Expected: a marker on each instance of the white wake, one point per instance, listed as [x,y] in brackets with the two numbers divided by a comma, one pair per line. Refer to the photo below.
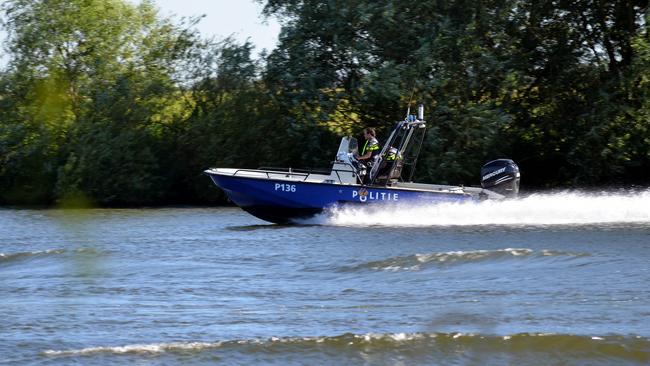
[568,208]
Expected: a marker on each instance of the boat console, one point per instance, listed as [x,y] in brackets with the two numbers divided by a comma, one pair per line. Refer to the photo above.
[498,177]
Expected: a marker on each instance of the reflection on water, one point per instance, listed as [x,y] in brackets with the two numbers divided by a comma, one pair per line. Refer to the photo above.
[257,227]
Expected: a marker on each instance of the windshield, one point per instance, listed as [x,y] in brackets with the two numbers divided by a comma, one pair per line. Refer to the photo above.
[353,147]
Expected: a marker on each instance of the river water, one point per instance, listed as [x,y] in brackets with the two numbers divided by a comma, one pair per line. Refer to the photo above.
[548,279]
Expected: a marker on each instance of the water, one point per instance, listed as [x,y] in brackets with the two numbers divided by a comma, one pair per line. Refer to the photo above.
[549,279]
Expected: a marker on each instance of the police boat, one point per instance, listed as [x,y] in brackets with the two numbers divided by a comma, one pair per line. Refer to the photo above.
[289,195]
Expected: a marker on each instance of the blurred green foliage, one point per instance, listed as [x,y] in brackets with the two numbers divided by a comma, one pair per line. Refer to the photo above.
[106,102]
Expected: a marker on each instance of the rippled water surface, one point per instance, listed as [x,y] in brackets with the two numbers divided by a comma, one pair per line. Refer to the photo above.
[437,285]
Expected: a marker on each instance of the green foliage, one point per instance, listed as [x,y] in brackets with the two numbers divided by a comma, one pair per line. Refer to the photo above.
[91,90]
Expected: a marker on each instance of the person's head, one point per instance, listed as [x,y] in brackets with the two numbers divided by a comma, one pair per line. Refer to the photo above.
[368,132]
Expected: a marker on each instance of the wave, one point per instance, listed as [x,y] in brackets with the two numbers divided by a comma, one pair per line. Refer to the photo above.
[418,262]
[567,208]
[13,257]
[139,348]
[414,347]
[4,257]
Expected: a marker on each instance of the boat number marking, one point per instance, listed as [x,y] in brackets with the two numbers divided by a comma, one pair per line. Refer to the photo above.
[285,187]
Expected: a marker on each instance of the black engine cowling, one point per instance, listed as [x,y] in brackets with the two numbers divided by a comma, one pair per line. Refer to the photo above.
[501,176]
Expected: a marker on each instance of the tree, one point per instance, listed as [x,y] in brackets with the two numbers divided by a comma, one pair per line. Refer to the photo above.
[94,85]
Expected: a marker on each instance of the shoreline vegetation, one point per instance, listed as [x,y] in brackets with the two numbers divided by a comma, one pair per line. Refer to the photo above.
[109,104]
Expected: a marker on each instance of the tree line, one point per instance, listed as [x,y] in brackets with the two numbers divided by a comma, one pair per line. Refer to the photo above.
[109,103]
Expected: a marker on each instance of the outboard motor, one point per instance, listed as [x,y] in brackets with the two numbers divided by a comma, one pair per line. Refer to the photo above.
[501,176]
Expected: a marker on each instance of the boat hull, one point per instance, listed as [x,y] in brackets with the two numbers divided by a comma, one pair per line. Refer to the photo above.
[285,201]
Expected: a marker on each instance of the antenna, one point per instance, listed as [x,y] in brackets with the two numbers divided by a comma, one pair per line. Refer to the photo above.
[408,109]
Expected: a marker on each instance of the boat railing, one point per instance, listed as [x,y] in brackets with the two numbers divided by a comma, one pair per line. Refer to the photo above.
[270,172]
[295,170]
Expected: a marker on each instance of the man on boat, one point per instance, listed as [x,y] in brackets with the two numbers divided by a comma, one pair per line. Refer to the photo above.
[370,151]
[388,167]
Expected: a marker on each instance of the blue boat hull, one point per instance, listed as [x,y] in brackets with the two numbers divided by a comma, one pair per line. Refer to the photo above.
[284,201]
